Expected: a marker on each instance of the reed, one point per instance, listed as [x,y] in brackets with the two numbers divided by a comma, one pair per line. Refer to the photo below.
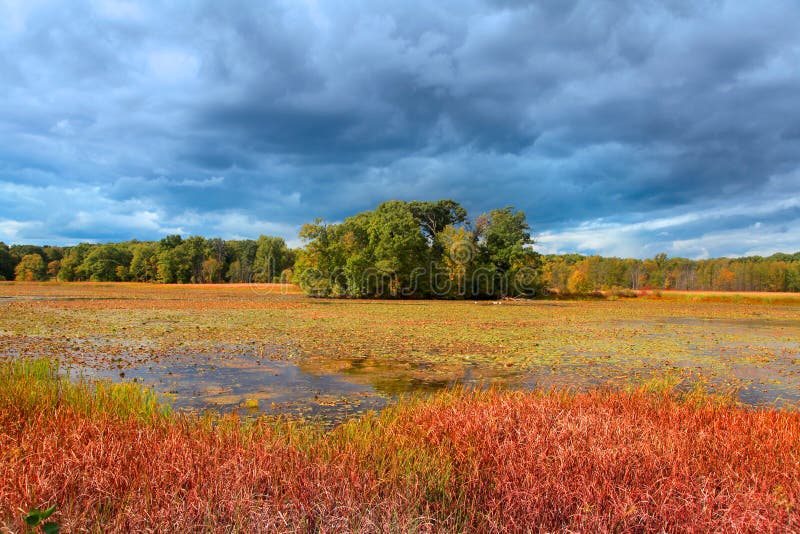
[111,458]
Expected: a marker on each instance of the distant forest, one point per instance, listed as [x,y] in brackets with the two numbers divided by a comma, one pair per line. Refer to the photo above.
[576,273]
[400,249]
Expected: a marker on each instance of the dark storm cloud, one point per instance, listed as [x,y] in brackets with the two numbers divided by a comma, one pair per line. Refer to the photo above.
[619,127]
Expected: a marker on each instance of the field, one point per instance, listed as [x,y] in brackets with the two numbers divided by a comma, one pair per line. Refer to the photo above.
[667,411]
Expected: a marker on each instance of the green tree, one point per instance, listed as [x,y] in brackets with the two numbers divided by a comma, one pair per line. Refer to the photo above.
[270,259]
[655,269]
[460,251]
[144,262]
[793,276]
[192,251]
[174,266]
[103,262]
[218,250]
[505,236]
[178,260]
[72,264]
[321,258]
[243,254]
[7,262]
[170,242]
[235,272]
[67,272]
[20,250]
[433,217]
[507,259]
[398,247]
[52,253]
[212,271]
[416,249]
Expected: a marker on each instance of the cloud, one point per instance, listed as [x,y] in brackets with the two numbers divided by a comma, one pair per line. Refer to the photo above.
[619,127]
[759,225]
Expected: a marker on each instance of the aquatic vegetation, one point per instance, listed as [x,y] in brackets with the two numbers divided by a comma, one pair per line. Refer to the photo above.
[217,346]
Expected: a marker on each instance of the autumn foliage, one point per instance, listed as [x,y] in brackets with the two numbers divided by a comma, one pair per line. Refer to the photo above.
[112,459]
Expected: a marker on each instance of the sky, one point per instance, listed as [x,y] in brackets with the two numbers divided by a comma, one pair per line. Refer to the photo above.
[622,128]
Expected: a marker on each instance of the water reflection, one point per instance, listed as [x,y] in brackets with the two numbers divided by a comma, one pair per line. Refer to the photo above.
[249,386]
[331,390]
[335,389]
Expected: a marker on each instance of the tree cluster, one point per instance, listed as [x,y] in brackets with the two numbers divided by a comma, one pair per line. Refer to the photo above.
[420,250]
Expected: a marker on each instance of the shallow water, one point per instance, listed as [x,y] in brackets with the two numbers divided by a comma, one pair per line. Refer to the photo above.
[331,390]
[250,385]
[246,385]
[281,354]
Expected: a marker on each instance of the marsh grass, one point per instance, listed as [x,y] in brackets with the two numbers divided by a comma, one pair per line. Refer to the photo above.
[740,297]
[39,384]
[645,459]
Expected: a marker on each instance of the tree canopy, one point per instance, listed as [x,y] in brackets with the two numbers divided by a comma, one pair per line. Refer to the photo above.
[419,249]
[31,267]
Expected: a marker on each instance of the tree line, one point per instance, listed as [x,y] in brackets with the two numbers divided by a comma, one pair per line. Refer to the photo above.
[170,260]
[574,273]
[414,249]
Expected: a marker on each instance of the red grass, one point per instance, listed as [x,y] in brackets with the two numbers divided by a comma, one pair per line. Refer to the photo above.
[598,461]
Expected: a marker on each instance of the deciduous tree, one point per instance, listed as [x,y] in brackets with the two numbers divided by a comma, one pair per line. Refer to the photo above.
[31,267]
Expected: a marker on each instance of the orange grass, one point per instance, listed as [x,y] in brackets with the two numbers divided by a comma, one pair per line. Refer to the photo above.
[741,297]
[477,461]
